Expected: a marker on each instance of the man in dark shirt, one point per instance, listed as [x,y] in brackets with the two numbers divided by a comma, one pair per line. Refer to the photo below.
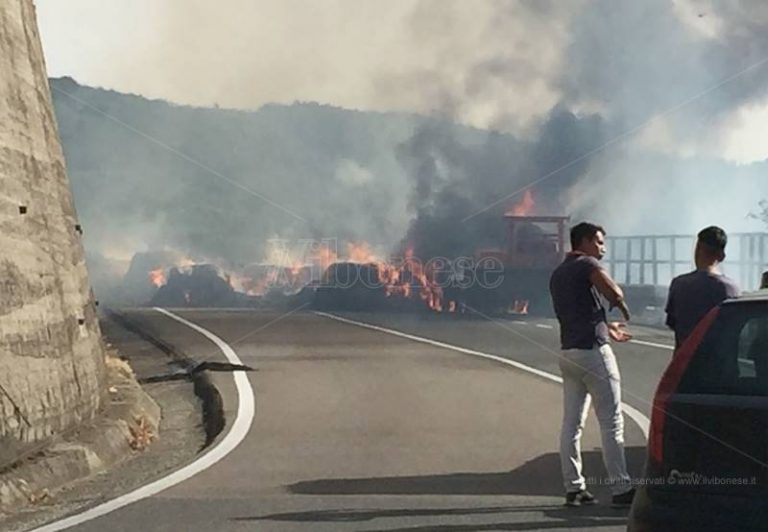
[588,364]
[694,294]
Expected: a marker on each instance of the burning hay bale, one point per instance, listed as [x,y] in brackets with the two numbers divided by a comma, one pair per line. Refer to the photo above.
[145,274]
[509,279]
[350,286]
[274,281]
[200,287]
[379,286]
[172,279]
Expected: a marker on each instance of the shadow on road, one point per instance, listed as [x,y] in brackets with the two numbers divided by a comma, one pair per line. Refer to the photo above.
[540,476]
[563,518]
[555,517]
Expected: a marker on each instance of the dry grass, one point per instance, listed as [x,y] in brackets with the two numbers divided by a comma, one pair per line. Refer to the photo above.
[33,496]
[41,496]
[114,363]
[141,434]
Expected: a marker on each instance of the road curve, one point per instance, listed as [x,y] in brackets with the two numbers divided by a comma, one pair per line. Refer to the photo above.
[356,429]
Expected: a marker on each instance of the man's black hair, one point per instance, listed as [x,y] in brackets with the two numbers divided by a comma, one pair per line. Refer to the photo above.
[584,230]
[714,237]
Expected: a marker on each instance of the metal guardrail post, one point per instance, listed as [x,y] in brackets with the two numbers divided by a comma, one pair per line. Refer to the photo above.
[628,257]
[673,256]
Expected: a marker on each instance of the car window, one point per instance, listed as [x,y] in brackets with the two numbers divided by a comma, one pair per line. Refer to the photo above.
[733,357]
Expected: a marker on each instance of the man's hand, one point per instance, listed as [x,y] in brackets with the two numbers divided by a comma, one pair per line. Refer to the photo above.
[619,332]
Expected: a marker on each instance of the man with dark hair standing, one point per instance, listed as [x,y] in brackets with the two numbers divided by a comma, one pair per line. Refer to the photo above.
[588,364]
[694,294]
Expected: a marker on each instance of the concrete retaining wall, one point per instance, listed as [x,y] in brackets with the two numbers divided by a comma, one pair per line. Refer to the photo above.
[51,357]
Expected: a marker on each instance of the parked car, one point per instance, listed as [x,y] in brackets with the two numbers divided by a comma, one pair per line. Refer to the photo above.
[707,466]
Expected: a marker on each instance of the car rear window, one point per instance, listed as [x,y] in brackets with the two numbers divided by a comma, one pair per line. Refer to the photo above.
[733,357]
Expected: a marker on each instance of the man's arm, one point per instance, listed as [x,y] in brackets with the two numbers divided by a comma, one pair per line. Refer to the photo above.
[612,291]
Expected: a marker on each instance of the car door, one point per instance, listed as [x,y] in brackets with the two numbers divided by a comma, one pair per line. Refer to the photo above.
[716,435]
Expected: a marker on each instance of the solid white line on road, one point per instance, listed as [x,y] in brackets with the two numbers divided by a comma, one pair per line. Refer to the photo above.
[245,413]
[544,326]
[520,322]
[637,416]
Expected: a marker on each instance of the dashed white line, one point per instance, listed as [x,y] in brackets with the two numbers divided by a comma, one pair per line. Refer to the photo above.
[638,417]
[653,344]
[240,427]
[639,342]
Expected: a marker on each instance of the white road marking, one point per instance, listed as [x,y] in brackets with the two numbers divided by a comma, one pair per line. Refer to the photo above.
[637,416]
[652,344]
[639,342]
[239,430]
[520,322]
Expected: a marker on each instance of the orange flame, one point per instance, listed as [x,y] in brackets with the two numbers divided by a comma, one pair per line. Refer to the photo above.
[429,291]
[157,277]
[520,306]
[360,252]
[185,263]
[324,256]
[261,286]
[526,205]
[237,282]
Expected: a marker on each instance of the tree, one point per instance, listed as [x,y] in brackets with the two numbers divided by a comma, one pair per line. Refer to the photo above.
[762,214]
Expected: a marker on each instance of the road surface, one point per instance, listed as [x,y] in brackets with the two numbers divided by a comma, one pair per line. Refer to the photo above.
[366,430]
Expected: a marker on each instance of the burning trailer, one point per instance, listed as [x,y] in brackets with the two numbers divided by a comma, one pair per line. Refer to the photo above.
[515,279]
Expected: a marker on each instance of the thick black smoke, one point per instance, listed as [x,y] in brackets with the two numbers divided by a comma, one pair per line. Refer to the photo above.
[461,190]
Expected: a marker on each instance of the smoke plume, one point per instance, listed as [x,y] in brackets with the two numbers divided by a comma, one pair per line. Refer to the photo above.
[618,111]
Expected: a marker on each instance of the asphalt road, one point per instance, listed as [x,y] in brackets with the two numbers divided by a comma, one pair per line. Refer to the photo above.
[357,429]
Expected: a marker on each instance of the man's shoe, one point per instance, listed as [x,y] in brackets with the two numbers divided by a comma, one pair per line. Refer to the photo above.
[579,498]
[623,500]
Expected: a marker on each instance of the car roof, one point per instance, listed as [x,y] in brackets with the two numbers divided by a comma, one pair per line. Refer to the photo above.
[758,295]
